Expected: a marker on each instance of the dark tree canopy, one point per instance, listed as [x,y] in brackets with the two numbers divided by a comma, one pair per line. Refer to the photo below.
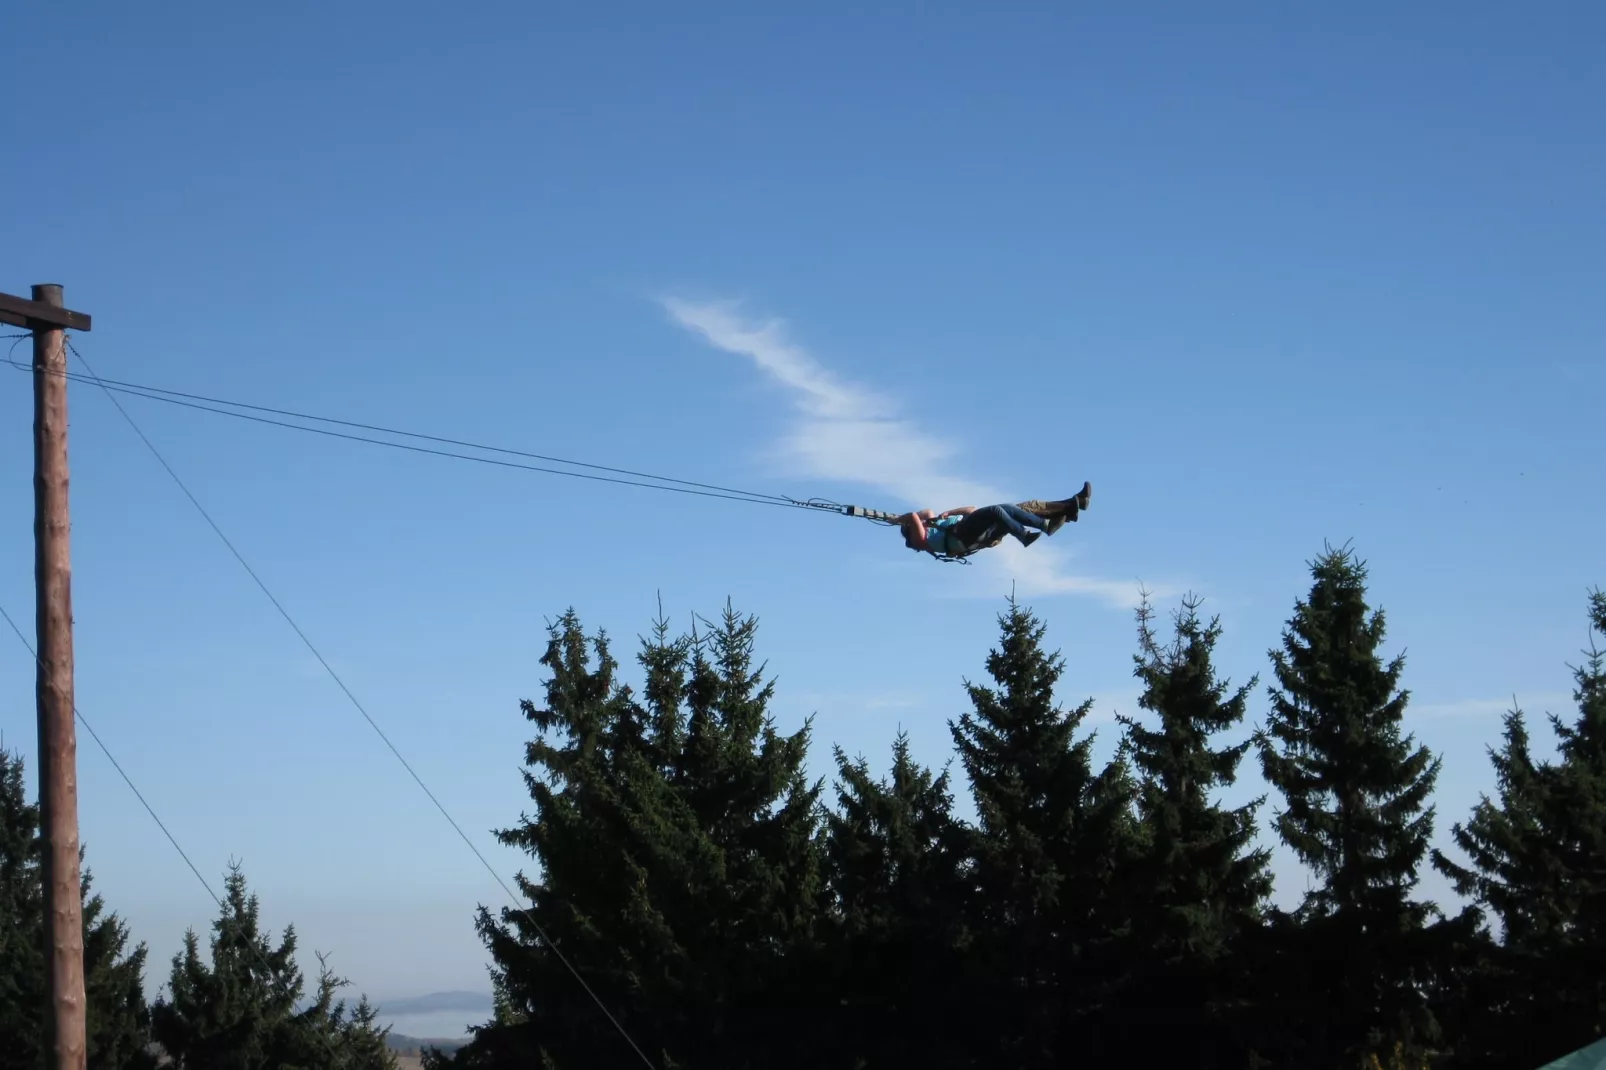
[681,862]
[1356,810]
[117,1019]
[1207,880]
[243,1009]
[697,901]
[897,876]
[1052,834]
[1198,885]
[1536,861]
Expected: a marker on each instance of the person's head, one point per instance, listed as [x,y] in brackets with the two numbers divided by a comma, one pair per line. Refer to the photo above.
[907,526]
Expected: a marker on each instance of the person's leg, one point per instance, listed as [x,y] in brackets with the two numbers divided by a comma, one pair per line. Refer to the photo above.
[1062,507]
[1058,512]
[1017,520]
[1049,510]
[1012,518]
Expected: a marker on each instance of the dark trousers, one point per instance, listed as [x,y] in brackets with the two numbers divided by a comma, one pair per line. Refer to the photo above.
[1012,518]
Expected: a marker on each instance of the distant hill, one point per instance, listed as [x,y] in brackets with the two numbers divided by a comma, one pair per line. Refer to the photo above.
[436,1002]
[414,1045]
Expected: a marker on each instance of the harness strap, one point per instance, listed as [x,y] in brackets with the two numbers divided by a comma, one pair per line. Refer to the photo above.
[984,539]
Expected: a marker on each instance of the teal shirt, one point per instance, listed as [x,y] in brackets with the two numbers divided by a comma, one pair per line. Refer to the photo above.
[940,539]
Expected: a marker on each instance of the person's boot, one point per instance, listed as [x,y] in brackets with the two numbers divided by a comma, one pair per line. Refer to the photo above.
[1030,537]
[1058,520]
[1085,497]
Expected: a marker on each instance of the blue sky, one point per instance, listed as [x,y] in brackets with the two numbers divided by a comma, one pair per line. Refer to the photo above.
[1267,277]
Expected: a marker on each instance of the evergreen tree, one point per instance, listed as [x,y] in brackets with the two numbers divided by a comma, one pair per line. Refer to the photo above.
[681,869]
[240,1012]
[1356,792]
[362,1043]
[1052,834]
[1198,885]
[896,868]
[117,1019]
[1538,864]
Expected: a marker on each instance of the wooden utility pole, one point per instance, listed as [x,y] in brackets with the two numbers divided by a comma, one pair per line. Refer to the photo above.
[58,744]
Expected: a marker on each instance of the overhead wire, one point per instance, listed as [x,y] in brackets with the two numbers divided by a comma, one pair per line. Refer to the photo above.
[117,766]
[357,704]
[226,407]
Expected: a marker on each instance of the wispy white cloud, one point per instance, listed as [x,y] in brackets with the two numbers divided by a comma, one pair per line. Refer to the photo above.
[1489,707]
[1107,705]
[847,432]
[837,701]
[894,702]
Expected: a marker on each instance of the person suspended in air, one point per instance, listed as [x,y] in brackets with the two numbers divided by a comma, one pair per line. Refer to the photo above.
[958,533]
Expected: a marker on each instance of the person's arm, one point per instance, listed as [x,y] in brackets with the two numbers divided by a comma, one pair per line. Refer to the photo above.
[917,524]
[963,510]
